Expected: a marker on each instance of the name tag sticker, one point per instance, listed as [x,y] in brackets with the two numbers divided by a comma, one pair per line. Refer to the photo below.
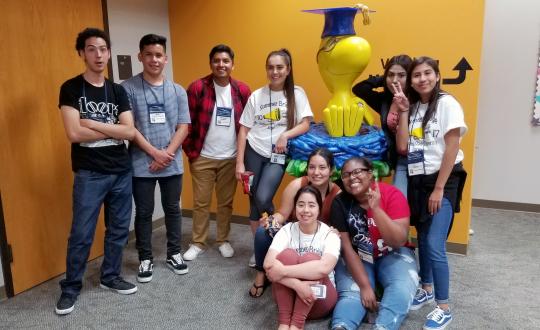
[366,256]
[319,290]
[157,117]
[278,158]
[415,163]
[157,114]
[223,116]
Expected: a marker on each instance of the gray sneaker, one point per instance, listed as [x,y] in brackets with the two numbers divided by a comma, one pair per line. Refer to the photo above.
[65,305]
[119,285]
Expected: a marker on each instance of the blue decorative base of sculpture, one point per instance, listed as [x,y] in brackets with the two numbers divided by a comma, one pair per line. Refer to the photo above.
[370,143]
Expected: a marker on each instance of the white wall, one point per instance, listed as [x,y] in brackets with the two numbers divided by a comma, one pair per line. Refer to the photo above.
[129,20]
[507,146]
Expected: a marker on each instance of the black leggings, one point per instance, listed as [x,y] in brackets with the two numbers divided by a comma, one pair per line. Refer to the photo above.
[266,180]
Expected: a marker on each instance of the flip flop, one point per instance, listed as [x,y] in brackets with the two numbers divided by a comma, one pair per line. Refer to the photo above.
[257,288]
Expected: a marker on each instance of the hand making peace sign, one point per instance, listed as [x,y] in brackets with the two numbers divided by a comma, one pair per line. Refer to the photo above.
[400,99]
[374,196]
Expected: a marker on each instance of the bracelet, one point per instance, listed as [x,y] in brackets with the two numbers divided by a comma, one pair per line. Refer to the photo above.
[404,111]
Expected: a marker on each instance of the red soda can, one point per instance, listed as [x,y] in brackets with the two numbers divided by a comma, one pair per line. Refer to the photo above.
[247,181]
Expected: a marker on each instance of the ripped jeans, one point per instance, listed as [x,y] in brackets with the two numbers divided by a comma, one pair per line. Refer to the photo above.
[397,274]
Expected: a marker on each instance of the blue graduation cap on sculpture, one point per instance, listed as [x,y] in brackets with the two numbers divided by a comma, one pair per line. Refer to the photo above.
[338,21]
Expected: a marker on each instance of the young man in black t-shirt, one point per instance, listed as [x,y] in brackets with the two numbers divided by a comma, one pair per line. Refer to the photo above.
[97,119]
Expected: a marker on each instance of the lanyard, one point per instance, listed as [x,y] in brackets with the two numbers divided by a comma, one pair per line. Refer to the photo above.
[411,128]
[144,92]
[310,243]
[104,85]
[271,119]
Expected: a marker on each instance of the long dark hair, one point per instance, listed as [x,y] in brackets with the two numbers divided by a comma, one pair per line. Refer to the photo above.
[403,61]
[435,93]
[288,86]
[310,190]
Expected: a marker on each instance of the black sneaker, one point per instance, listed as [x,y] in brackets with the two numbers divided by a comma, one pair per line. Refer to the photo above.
[120,285]
[145,271]
[177,264]
[65,304]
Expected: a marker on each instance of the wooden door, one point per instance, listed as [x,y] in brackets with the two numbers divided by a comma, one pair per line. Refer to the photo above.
[38,50]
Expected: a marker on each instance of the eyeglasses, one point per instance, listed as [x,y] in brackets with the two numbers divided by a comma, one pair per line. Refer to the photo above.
[355,173]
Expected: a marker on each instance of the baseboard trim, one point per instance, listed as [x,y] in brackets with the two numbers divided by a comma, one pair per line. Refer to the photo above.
[159,222]
[455,248]
[241,220]
[155,225]
[511,206]
[451,247]
[3,294]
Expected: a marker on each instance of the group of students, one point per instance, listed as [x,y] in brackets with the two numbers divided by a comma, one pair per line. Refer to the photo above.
[352,237]
[226,131]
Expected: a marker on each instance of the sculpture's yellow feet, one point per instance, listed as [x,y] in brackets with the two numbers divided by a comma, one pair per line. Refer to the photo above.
[346,120]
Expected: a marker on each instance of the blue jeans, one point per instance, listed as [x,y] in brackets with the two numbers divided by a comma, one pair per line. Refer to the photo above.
[261,243]
[143,195]
[396,272]
[90,191]
[432,236]
[266,180]
[400,175]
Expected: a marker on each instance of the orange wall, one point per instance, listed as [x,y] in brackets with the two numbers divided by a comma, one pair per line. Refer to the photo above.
[446,29]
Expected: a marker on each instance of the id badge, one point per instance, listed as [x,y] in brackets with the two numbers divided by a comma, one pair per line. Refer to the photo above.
[278,158]
[319,290]
[415,163]
[367,257]
[157,115]
[223,116]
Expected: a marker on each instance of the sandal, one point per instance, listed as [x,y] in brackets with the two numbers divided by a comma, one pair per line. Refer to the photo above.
[257,288]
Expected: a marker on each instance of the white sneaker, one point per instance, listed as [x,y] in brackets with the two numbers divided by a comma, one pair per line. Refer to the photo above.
[251,262]
[193,252]
[226,250]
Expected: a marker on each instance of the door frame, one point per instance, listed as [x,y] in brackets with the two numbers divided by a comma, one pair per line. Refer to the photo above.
[4,255]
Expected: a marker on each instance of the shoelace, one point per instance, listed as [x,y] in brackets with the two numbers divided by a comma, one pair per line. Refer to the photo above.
[178,258]
[420,293]
[436,315]
[145,265]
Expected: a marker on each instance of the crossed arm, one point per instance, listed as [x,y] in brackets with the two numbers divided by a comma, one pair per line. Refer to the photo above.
[87,130]
[299,277]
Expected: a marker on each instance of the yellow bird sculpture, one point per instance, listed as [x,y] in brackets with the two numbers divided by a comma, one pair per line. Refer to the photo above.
[341,58]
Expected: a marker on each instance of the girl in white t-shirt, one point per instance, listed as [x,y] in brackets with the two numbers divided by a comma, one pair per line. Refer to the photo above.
[273,114]
[436,177]
[298,262]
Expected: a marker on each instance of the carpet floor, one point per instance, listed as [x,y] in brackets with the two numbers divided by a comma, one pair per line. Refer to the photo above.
[496,286]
